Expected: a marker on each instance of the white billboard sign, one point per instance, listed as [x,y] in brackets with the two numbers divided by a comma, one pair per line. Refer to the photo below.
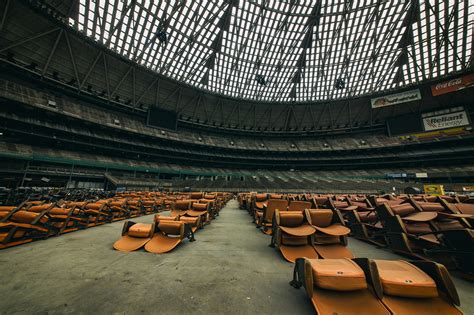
[388,100]
[445,121]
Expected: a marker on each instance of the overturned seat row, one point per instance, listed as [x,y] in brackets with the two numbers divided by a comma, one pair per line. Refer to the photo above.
[38,219]
[167,232]
[364,286]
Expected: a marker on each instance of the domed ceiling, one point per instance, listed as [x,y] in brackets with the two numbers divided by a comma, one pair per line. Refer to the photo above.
[286,51]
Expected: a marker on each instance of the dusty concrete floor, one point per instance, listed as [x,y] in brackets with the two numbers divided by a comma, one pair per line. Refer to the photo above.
[229,269]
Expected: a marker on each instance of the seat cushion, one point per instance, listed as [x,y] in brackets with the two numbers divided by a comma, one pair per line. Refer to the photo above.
[140,230]
[400,278]
[338,274]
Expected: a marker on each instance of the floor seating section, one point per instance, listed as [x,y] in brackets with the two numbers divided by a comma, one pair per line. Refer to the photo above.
[363,286]
[424,227]
[39,218]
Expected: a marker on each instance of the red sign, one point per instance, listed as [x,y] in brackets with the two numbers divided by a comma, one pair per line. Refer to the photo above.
[453,85]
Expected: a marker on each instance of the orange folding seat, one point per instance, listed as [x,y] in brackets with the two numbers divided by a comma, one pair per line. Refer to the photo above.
[196,195]
[180,207]
[168,235]
[193,222]
[134,236]
[135,208]
[292,235]
[19,226]
[364,286]
[266,218]
[330,238]
[199,210]
[65,220]
[259,204]
[276,196]
[96,213]
[299,205]
[214,206]
[119,209]
[338,286]
[421,288]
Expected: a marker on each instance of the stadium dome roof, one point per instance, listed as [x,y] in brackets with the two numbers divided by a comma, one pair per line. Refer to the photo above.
[286,51]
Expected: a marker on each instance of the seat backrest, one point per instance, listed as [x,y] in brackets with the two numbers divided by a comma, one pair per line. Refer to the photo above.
[299,205]
[196,195]
[403,209]
[200,206]
[465,208]
[261,197]
[319,217]
[290,218]
[431,206]
[272,205]
[210,196]
[41,208]
[158,218]
[172,228]
[320,200]
[182,205]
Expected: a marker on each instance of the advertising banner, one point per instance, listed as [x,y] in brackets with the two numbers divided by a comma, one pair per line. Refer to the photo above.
[388,100]
[453,85]
[451,120]
[436,190]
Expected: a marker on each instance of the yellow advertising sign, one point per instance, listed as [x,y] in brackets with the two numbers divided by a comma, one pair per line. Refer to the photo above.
[436,190]
[468,188]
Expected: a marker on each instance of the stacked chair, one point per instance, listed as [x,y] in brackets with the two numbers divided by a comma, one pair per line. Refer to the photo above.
[37,217]
[189,212]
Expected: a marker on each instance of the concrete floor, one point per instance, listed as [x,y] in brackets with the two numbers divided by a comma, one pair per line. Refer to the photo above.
[229,269]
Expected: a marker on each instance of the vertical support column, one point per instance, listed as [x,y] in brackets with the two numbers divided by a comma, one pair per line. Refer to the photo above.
[24,173]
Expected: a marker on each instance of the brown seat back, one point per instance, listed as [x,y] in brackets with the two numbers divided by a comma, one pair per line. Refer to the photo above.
[290,218]
[299,205]
[182,205]
[172,228]
[272,205]
[200,206]
[319,217]
[196,195]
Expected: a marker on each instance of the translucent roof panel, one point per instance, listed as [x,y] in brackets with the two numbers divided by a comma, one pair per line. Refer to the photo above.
[287,51]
